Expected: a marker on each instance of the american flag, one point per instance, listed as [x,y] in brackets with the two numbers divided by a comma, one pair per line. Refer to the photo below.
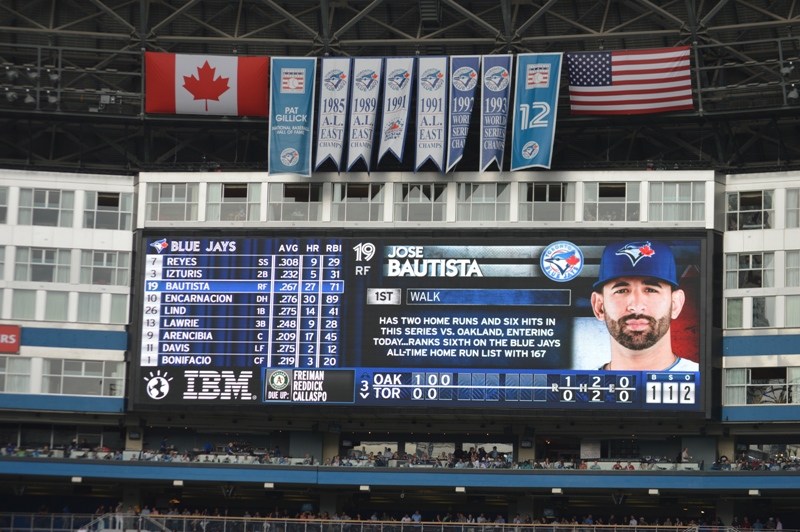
[630,82]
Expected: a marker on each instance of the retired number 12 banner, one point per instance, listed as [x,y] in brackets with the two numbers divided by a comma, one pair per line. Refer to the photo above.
[535,108]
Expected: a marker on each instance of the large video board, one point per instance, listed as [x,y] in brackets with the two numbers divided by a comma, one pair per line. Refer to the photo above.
[530,322]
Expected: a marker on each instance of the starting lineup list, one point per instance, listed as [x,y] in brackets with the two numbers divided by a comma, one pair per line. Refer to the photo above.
[280,321]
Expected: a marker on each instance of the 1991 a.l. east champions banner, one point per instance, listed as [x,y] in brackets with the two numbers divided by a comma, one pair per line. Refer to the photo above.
[431,108]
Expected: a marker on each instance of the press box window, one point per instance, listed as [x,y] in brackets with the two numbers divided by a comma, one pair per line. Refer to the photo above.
[547,202]
[237,202]
[749,270]
[611,202]
[105,267]
[763,312]
[677,202]
[295,202]
[42,265]
[749,210]
[417,202]
[3,204]
[176,202]
[52,208]
[108,210]
[358,202]
[792,208]
[483,202]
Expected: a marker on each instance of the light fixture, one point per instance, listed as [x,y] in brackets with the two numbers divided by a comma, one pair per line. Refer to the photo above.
[652,491]
[33,74]
[754,493]
[52,98]
[29,99]
[787,70]
[461,489]
[269,485]
[793,94]
[364,487]
[177,483]
[77,480]
[557,491]
[11,95]
[53,76]
[11,73]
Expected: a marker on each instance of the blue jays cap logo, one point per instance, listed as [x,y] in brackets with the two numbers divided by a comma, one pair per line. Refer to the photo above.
[530,150]
[561,261]
[637,251]
[160,245]
[398,78]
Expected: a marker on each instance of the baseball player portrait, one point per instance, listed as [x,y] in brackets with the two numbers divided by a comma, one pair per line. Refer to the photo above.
[637,296]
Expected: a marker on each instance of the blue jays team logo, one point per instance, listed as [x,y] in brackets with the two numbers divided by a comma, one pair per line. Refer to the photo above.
[530,150]
[366,80]
[637,251]
[335,80]
[465,78]
[398,78]
[497,79]
[289,157]
[432,79]
[561,261]
[393,129]
[160,245]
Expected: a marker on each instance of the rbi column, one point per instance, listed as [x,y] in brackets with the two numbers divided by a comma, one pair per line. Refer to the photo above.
[151,317]
[332,290]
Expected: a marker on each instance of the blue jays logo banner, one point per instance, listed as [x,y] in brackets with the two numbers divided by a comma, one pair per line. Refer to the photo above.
[363,109]
[431,105]
[536,105]
[396,97]
[463,82]
[333,92]
[291,115]
[494,109]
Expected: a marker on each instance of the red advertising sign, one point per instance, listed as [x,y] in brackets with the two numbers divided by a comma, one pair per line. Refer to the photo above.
[9,338]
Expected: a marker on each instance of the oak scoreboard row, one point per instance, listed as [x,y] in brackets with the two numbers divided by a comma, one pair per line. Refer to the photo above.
[587,323]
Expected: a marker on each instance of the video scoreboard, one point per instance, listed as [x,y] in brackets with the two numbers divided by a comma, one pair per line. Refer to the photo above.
[380,321]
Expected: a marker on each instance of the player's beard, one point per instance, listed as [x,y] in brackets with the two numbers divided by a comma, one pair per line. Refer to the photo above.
[639,340]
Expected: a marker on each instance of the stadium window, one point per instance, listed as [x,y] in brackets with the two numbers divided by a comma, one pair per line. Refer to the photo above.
[749,210]
[175,202]
[108,210]
[611,202]
[119,308]
[2,262]
[417,202]
[793,208]
[734,313]
[105,267]
[290,202]
[749,270]
[56,306]
[483,202]
[82,377]
[358,202]
[735,386]
[52,208]
[15,374]
[237,202]
[89,308]
[547,202]
[42,265]
[677,201]
[763,312]
[792,268]
[3,204]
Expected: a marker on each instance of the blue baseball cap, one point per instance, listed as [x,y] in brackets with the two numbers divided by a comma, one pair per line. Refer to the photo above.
[642,258]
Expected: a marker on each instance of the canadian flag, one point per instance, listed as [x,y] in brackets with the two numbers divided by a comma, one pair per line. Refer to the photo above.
[206,84]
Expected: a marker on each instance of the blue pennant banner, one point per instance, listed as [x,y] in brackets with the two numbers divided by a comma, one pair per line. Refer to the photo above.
[291,115]
[463,82]
[494,109]
[363,110]
[535,108]
[431,108]
[396,99]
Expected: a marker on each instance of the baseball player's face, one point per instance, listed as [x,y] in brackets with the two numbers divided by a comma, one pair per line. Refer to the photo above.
[637,310]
